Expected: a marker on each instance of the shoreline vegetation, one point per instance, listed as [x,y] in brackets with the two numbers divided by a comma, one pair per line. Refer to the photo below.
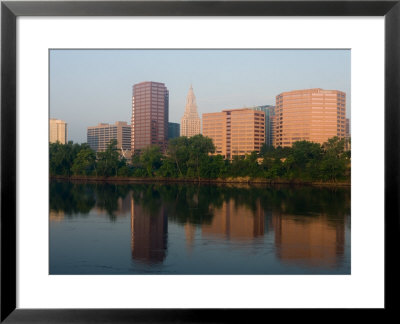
[192,160]
[239,180]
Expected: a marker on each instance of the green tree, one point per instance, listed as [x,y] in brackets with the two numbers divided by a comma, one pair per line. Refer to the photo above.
[199,148]
[168,169]
[253,169]
[188,154]
[333,165]
[107,161]
[303,161]
[237,166]
[266,149]
[85,161]
[123,168]
[178,153]
[61,157]
[150,158]
[212,167]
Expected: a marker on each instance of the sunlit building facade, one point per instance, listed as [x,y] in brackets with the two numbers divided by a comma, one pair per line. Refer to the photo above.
[58,131]
[98,137]
[214,127]
[190,122]
[150,105]
[235,131]
[269,113]
[313,115]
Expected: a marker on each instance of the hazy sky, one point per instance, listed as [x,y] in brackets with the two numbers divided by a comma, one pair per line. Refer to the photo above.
[88,87]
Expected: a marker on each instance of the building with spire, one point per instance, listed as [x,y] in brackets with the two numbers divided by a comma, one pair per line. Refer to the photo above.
[190,122]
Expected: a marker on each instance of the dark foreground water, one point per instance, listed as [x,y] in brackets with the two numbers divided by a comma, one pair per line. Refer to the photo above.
[198,229]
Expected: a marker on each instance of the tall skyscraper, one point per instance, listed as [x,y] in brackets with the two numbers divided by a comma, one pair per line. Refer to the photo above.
[150,102]
[190,122]
[58,131]
[235,131]
[313,115]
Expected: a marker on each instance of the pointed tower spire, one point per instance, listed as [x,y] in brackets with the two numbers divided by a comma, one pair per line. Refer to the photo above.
[190,122]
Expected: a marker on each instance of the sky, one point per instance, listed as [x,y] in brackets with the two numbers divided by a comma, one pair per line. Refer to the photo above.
[88,87]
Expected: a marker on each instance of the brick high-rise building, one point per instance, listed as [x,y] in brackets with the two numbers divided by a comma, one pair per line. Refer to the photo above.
[190,122]
[235,131]
[150,102]
[313,115]
[58,131]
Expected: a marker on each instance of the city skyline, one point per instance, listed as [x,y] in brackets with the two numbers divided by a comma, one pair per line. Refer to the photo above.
[88,87]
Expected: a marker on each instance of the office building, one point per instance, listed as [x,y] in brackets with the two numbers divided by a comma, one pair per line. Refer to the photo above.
[98,137]
[149,115]
[313,115]
[173,130]
[235,131]
[269,112]
[58,131]
[348,128]
[190,122]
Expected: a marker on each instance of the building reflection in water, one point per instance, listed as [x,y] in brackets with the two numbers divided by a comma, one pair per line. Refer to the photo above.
[308,241]
[148,233]
[190,233]
[313,241]
[122,208]
[233,222]
[56,216]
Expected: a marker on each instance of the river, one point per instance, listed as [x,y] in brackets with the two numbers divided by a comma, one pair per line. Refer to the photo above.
[183,228]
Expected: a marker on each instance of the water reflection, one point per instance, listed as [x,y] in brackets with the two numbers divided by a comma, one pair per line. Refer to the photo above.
[56,216]
[303,227]
[148,233]
[309,241]
[235,222]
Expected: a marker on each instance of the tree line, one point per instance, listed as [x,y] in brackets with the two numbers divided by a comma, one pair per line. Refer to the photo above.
[190,158]
[193,203]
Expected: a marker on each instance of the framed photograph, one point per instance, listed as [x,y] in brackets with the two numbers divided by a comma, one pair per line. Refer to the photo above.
[197,160]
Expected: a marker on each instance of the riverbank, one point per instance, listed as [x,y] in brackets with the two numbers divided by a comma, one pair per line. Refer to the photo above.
[238,180]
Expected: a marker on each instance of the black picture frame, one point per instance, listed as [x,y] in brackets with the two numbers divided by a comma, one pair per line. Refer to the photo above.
[10,10]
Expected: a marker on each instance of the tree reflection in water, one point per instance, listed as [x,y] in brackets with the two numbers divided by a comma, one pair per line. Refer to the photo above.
[308,223]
